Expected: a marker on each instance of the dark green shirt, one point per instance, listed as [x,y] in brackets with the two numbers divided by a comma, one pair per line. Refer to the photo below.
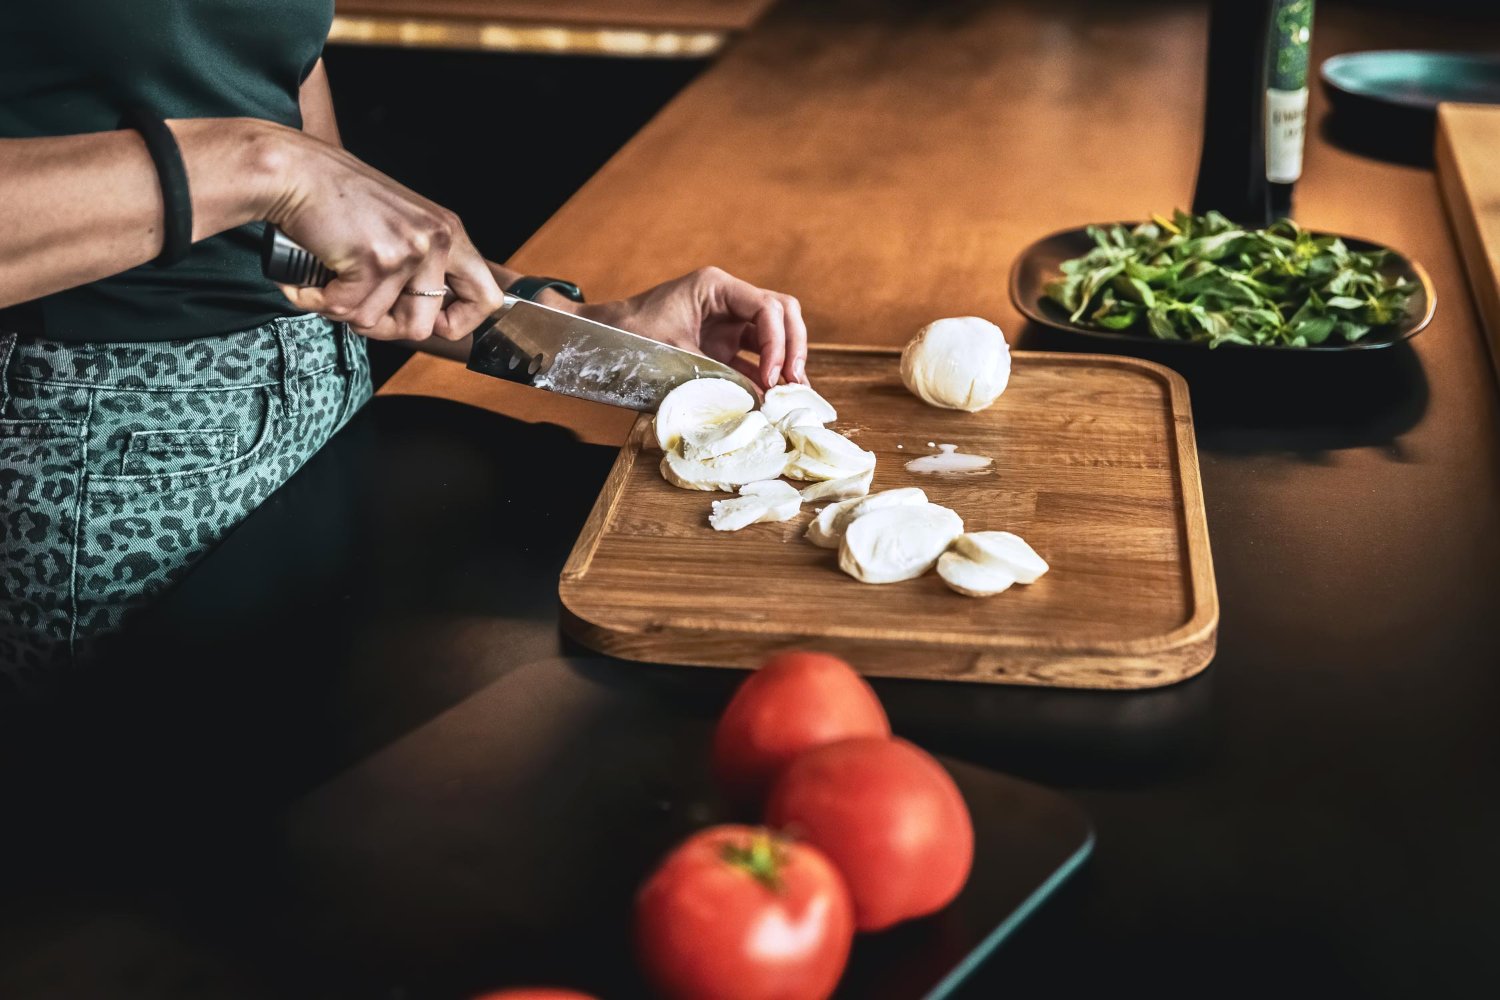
[72,66]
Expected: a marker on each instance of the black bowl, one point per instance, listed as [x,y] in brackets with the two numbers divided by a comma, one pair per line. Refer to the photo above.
[1042,262]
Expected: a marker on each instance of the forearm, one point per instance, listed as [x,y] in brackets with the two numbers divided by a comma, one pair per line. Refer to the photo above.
[83,207]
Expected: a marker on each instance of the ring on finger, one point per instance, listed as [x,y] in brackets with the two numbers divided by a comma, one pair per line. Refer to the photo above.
[426,293]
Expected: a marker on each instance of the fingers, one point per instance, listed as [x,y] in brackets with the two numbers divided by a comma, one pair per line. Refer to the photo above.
[476,294]
[307,299]
[352,301]
[795,365]
[745,367]
[770,341]
[413,316]
[365,293]
[776,329]
[429,252]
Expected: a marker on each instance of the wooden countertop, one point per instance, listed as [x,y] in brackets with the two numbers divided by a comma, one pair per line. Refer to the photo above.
[886,166]
[721,15]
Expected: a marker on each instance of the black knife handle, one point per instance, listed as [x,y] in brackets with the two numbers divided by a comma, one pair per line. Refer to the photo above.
[287,263]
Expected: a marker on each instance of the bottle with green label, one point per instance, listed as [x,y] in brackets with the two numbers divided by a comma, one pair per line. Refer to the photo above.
[1286,99]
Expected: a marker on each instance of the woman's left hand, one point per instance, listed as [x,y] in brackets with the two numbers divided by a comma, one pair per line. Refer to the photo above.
[717,314]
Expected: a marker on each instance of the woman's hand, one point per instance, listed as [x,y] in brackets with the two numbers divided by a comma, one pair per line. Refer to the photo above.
[383,241]
[719,315]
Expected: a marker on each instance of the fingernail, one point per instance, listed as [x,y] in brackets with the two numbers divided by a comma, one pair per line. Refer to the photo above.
[800,369]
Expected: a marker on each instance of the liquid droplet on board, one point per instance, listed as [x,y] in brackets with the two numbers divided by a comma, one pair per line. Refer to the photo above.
[949,460]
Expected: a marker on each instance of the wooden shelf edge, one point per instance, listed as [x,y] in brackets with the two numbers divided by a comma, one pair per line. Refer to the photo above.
[526,37]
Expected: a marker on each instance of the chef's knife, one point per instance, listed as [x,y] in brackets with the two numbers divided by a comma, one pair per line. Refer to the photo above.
[536,345]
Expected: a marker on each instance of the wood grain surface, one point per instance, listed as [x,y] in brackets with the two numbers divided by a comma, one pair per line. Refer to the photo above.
[725,15]
[885,162]
[1468,152]
[881,164]
[1095,465]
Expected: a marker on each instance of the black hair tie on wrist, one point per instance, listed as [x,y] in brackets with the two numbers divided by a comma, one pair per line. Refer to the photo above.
[176,201]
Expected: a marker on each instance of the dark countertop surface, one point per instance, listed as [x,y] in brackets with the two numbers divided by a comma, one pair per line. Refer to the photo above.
[1316,813]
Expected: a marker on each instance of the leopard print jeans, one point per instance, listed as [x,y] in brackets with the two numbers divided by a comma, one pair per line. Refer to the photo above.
[121,464]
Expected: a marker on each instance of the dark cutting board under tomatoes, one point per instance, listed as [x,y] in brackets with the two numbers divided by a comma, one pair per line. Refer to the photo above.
[503,845]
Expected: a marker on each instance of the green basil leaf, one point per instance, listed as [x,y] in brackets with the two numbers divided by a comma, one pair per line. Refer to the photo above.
[1314,331]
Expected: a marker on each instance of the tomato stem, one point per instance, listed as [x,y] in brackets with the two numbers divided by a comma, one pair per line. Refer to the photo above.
[761,857]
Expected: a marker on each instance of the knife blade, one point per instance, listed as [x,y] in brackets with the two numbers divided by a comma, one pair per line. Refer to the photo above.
[536,345]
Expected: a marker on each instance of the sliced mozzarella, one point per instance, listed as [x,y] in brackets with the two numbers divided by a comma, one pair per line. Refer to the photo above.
[848,488]
[769,500]
[1003,550]
[783,399]
[810,470]
[698,403]
[827,529]
[713,440]
[775,489]
[762,458]
[801,417]
[898,543]
[976,579]
[819,453]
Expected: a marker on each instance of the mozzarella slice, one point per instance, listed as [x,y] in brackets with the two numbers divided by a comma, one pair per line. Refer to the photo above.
[898,543]
[976,579]
[698,403]
[802,416]
[774,489]
[783,399]
[713,440]
[762,458]
[827,529]
[819,453]
[1005,551]
[769,500]
[848,488]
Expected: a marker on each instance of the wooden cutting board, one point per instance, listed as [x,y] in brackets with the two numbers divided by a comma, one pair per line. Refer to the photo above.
[1468,149]
[1094,465]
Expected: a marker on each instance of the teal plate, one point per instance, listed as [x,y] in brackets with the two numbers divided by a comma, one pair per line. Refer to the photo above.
[1042,261]
[1412,80]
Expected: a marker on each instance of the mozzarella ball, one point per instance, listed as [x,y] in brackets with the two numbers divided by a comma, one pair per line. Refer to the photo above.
[958,364]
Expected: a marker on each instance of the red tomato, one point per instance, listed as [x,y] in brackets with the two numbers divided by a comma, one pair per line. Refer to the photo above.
[736,913]
[795,702]
[535,993]
[889,816]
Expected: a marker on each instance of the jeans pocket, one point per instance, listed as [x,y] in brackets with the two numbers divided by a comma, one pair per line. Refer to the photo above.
[164,452]
[152,448]
[41,474]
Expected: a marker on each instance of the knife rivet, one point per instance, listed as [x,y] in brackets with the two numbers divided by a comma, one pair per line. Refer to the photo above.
[536,365]
[515,359]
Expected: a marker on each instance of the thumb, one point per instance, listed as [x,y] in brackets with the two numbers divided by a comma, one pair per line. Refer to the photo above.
[308,298]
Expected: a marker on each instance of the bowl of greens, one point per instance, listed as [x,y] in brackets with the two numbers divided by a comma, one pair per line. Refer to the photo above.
[1202,281]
